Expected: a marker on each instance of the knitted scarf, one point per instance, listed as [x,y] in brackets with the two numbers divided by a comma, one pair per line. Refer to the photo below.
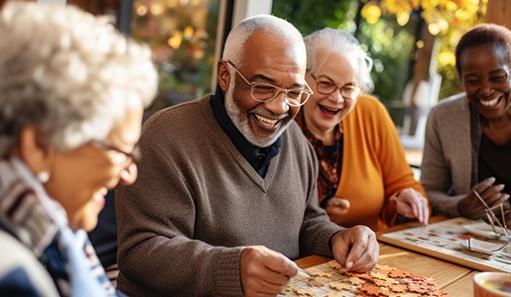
[41,224]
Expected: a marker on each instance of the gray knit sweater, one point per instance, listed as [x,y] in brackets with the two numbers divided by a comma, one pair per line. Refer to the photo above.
[197,201]
[449,164]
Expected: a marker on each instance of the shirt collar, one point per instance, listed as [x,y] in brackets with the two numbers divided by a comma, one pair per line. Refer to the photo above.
[258,157]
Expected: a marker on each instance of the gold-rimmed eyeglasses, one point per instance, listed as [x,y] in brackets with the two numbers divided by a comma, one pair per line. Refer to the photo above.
[134,155]
[326,87]
[264,92]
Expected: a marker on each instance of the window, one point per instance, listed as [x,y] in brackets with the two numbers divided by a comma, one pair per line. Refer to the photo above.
[182,35]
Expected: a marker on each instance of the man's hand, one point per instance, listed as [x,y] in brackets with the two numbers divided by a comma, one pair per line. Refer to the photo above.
[265,272]
[356,248]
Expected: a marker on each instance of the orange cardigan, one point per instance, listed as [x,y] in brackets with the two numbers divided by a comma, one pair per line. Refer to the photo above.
[374,166]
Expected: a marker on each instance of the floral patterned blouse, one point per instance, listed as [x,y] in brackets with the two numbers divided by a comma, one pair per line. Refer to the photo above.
[329,160]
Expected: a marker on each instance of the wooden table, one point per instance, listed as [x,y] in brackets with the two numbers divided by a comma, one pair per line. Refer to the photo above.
[454,279]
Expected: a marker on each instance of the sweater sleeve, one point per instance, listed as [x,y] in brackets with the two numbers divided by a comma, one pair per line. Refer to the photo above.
[317,229]
[156,222]
[396,172]
[435,169]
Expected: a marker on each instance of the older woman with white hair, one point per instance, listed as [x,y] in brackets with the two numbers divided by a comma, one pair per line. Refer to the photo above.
[363,174]
[72,95]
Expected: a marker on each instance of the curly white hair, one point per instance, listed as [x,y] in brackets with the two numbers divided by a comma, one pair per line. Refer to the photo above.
[339,42]
[68,73]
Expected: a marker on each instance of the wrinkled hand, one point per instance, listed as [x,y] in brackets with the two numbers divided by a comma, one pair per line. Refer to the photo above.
[265,272]
[411,204]
[471,207]
[356,248]
[336,207]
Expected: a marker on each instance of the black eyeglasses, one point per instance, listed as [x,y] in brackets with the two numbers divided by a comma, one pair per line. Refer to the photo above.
[134,155]
[264,92]
[327,87]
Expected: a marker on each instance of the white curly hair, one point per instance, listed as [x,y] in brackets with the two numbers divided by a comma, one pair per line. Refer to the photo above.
[329,40]
[68,73]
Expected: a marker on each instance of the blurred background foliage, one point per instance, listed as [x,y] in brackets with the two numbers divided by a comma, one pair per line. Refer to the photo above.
[392,32]
[182,35]
[396,33]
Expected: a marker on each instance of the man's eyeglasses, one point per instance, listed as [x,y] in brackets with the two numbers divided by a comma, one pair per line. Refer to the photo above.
[134,155]
[264,92]
[327,87]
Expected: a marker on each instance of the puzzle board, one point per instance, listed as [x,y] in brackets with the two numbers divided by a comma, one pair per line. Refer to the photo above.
[383,280]
[444,240]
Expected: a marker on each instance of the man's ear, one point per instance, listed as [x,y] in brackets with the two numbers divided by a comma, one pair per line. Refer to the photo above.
[223,75]
[32,152]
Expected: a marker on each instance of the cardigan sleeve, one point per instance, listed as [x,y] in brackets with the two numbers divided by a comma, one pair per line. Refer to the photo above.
[436,170]
[374,158]
[396,172]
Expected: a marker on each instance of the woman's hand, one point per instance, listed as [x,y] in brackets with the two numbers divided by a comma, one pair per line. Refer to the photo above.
[472,207]
[411,204]
[336,207]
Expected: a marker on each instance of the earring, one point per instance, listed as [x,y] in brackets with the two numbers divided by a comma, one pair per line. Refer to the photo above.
[43,176]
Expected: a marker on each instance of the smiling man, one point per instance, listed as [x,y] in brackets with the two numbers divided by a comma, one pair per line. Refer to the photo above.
[227,187]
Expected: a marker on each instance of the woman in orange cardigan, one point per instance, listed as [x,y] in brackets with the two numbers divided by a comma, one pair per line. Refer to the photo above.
[364,177]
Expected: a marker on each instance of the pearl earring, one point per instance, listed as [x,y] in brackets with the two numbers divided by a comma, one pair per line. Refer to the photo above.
[43,176]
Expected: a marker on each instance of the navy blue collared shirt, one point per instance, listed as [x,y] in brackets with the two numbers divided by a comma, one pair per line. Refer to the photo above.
[258,157]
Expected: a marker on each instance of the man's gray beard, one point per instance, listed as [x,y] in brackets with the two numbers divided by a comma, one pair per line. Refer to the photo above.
[240,120]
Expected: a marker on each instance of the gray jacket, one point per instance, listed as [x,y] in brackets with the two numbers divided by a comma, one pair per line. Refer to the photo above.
[449,164]
[20,270]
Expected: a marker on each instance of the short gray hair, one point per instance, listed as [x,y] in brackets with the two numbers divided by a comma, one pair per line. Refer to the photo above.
[282,29]
[68,73]
[340,42]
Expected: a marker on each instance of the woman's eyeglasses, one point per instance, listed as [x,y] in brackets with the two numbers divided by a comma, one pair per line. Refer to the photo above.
[134,155]
[326,87]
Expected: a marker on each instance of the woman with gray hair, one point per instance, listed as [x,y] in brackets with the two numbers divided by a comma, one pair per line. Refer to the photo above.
[72,95]
[355,139]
